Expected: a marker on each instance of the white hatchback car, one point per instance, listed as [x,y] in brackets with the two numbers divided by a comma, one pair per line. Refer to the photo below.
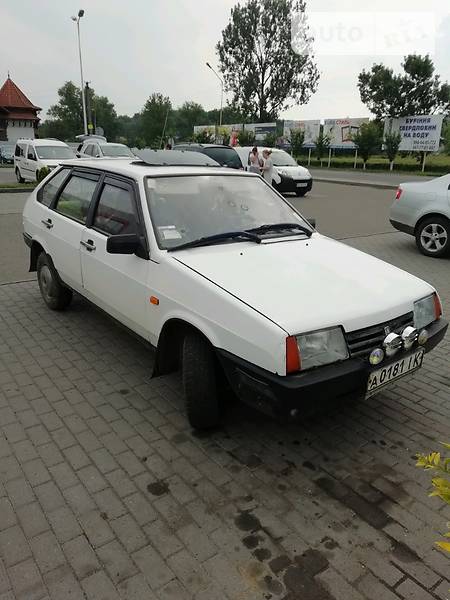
[422,209]
[227,280]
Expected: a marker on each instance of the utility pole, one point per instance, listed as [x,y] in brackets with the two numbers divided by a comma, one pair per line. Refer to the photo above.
[83,98]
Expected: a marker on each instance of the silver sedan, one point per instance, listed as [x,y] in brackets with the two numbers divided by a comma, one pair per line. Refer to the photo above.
[423,210]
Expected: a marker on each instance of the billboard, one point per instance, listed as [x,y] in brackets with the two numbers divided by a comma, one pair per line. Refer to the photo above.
[341,131]
[261,129]
[419,133]
[311,129]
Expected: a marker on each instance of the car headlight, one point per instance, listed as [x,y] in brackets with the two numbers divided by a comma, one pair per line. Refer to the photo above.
[317,348]
[426,311]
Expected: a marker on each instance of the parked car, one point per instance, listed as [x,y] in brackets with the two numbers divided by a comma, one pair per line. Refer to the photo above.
[422,209]
[97,148]
[31,155]
[224,155]
[7,154]
[228,281]
[292,177]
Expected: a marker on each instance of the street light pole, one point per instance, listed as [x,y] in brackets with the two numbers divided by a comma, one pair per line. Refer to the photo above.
[83,98]
[221,92]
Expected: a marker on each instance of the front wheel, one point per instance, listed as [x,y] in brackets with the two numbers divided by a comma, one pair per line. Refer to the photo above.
[200,383]
[433,237]
[19,177]
[301,193]
[56,296]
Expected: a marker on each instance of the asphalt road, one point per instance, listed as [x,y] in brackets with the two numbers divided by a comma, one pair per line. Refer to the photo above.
[340,211]
[7,175]
[361,176]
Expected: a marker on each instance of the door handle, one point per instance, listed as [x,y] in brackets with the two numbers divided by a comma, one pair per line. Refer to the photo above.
[48,223]
[89,245]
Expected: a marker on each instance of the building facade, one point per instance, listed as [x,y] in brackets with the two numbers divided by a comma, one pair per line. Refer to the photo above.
[18,115]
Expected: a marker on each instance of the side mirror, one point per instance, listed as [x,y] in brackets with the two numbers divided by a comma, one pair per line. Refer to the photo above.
[30,156]
[127,243]
[311,221]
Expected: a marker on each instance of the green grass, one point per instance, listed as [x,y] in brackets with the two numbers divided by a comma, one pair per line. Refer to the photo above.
[436,164]
[11,186]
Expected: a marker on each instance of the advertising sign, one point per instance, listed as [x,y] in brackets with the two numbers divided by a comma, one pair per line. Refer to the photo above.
[311,129]
[341,131]
[261,129]
[420,133]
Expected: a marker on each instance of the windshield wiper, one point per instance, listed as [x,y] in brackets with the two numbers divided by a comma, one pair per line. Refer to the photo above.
[281,227]
[218,237]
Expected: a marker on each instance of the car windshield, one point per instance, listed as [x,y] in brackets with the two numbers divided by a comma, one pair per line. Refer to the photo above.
[224,156]
[116,150]
[282,159]
[186,208]
[54,152]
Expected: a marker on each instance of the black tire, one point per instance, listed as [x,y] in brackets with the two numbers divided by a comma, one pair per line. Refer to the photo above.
[433,236]
[199,382]
[300,193]
[56,296]
[19,177]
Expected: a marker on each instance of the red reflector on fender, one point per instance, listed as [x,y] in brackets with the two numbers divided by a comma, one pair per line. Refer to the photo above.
[399,193]
[293,363]
[154,300]
[437,306]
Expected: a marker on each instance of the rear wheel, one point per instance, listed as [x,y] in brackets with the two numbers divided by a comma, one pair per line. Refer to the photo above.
[433,237]
[199,382]
[19,177]
[56,295]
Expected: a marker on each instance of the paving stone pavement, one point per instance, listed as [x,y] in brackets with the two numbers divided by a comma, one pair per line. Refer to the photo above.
[106,493]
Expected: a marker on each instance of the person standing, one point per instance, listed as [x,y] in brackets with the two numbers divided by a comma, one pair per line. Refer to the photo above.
[267,167]
[254,161]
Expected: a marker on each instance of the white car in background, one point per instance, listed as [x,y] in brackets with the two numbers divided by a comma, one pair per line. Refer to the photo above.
[290,176]
[423,210]
[228,281]
[99,148]
[32,155]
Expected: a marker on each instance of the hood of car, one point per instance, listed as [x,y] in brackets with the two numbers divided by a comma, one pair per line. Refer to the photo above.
[307,284]
[297,172]
[52,162]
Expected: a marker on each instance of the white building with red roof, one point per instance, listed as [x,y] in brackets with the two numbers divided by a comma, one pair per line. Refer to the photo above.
[18,115]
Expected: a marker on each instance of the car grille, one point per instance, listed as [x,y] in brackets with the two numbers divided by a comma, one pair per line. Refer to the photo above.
[363,341]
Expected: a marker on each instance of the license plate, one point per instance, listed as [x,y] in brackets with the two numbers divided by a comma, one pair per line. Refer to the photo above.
[301,184]
[381,377]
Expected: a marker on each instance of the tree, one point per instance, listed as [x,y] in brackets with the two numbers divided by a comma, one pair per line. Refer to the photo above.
[322,143]
[153,116]
[270,140]
[259,66]
[297,140]
[418,91]
[368,140]
[189,114]
[391,145]
[446,136]
[130,129]
[66,117]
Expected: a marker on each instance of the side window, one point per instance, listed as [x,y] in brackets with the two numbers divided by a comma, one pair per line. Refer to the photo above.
[31,155]
[76,197]
[20,150]
[87,149]
[116,212]
[95,150]
[47,194]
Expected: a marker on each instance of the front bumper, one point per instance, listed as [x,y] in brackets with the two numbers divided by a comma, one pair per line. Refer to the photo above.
[304,392]
[288,184]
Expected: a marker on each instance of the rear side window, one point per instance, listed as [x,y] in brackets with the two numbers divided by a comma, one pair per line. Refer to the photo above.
[19,150]
[224,156]
[76,197]
[48,193]
[116,212]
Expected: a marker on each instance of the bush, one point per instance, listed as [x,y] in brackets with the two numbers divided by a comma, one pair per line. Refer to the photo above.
[246,137]
[297,139]
[270,140]
[203,137]
[368,140]
[441,485]
[42,174]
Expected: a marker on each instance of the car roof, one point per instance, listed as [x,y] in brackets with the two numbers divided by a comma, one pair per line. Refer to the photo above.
[137,169]
[196,145]
[41,142]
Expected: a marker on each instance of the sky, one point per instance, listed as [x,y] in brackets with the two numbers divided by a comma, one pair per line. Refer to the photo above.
[132,49]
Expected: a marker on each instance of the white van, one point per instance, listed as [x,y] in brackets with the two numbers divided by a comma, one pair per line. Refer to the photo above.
[30,156]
